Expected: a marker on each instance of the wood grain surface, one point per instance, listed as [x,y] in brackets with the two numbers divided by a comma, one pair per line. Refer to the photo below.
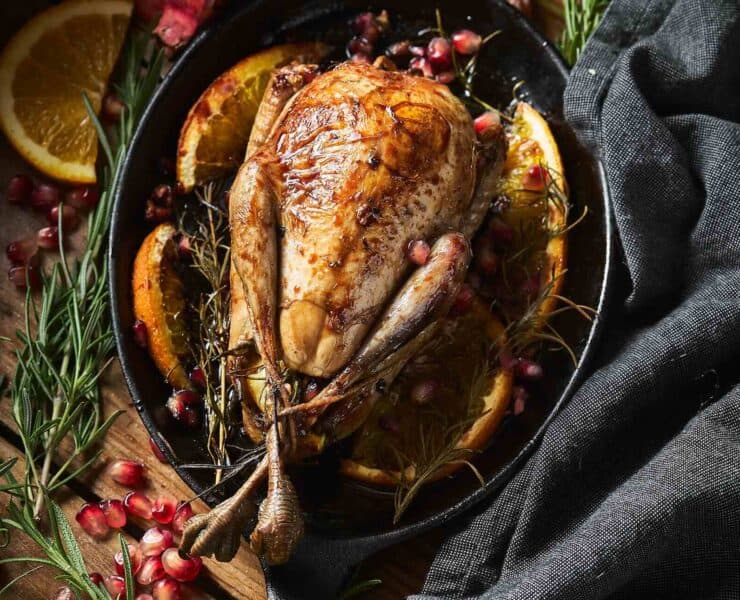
[401,568]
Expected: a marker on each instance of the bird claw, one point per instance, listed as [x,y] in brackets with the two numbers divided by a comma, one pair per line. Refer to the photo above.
[217,532]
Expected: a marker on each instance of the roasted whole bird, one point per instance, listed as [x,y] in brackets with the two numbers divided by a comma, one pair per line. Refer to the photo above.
[343,170]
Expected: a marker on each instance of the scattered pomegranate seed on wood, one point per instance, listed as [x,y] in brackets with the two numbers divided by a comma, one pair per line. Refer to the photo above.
[70,219]
[155,541]
[19,189]
[115,585]
[84,197]
[127,472]
[182,515]
[163,509]
[166,589]
[151,570]
[92,519]
[135,556]
[44,196]
[179,568]
[21,251]
[48,237]
[115,514]
[25,276]
[138,505]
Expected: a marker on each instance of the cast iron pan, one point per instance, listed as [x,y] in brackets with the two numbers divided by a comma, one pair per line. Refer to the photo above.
[347,521]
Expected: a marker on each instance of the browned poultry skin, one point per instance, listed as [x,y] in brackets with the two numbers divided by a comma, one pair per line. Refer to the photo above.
[360,162]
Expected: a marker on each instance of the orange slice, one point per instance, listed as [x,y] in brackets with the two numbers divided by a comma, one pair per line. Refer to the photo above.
[538,217]
[62,52]
[159,301]
[215,134]
[469,402]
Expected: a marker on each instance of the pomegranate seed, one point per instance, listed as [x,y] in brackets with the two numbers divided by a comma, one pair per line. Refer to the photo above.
[135,556]
[48,238]
[466,42]
[486,122]
[127,472]
[138,505]
[399,49]
[418,252]
[84,197]
[115,515]
[198,377]
[446,77]
[463,301]
[389,423]
[182,516]
[151,570]
[19,189]
[21,277]
[424,391]
[70,220]
[163,509]
[64,593]
[439,53]
[419,51]
[183,406]
[421,64]
[311,391]
[92,519]
[360,59]
[520,396]
[367,25]
[156,214]
[163,195]
[359,45]
[156,451]
[96,578]
[501,233]
[115,585]
[140,333]
[184,247]
[44,196]
[486,259]
[535,178]
[166,589]
[155,541]
[177,567]
[21,251]
[528,369]
[112,108]
[144,596]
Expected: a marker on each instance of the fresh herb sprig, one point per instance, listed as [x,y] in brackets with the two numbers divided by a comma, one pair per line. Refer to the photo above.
[64,349]
[210,251]
[581,18]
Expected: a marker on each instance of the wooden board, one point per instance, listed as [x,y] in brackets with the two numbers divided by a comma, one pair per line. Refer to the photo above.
[401,568]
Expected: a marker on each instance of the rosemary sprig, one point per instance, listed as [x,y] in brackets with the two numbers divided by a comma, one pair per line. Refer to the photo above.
[210,249]
[65,347]
[581,18]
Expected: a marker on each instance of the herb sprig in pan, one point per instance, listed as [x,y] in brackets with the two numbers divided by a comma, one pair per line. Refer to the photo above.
[63,351]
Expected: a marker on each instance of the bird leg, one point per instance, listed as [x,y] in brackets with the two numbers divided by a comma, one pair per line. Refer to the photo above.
[427,295]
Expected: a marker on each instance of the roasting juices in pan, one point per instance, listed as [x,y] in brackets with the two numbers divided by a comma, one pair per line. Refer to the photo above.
[357,252]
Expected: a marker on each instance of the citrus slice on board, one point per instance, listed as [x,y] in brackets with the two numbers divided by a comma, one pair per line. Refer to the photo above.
[63,52]
[464,400]
[159,301]
[214,136]
[535,210]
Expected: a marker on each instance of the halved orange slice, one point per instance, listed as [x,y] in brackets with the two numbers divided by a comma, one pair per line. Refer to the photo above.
[468,398]
[215,134]
[537,213]
[62,52]
[159,301]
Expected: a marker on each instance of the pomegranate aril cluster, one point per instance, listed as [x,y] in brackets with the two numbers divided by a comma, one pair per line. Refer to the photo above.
[367,28]
[49,199]
[156,564]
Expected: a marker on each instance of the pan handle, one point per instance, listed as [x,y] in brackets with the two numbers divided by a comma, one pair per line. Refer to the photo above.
[319,568]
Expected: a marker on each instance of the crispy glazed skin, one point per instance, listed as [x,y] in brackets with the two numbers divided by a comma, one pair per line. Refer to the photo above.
[360,162]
